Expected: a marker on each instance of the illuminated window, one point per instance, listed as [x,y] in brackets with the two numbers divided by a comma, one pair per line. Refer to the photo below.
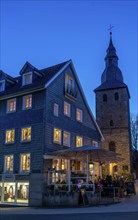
[27,102]
[57,135]
[8,163]
[9,192]
[56,107]
[95,143]
[2,85]
[23,192]
[10,136]
[67,109]
[27,78]
[78,141]
[66,138]
[69,85]
[63,165]
[79,115]
[91,167]
[25,162]
[26,134]
[11,105]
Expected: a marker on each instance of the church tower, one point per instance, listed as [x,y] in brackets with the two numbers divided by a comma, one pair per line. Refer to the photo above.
[113,114]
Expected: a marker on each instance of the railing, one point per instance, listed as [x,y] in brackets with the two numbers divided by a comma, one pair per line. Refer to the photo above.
[71,179]
[110,192]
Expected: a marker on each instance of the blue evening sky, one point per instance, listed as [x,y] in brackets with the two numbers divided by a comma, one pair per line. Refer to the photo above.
[49,32]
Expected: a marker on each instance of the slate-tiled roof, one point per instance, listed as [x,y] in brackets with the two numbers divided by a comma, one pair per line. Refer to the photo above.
[39,83]
[111,85]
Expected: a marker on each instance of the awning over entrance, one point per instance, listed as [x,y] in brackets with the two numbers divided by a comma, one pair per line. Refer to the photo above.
[95,154]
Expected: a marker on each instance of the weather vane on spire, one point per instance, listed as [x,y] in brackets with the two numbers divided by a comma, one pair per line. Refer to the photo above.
[110,29]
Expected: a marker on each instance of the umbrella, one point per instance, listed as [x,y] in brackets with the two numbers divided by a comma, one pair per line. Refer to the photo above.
[93,153]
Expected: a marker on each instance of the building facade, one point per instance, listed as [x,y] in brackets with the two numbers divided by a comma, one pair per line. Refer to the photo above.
[113,113]
[41,111]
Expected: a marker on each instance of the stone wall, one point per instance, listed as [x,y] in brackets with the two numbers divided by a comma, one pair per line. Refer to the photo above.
[119,132]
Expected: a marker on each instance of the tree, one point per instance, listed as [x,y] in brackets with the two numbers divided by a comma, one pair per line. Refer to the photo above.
[134,132]
[134,141]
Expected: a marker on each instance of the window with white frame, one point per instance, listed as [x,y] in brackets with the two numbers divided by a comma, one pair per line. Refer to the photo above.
[10,136]
[79,114]
[2,85]
[79,141]
[67,109]
[11,105]
[8,167]
[27,78]
[69,84]
[94,143]
[27,101]
[57,135]
[25,162]
[56,109]
[66,138]
[26,134]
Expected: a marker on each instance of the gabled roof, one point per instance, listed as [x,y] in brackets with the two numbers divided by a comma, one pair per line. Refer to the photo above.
[38,84]
[50,74]
[81,91]
[7,77]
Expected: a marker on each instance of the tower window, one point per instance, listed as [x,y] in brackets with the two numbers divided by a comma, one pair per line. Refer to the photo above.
[104,98]
[111,123]
[112,146]
[116,96]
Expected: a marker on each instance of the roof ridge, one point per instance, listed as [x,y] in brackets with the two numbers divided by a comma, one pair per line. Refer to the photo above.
[50,67]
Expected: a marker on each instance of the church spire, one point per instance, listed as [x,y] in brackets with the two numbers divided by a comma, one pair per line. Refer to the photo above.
[112,77]
[111,57]
[112,71]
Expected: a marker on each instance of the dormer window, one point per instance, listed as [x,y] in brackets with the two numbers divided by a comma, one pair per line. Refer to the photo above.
[2,85]
[27,78]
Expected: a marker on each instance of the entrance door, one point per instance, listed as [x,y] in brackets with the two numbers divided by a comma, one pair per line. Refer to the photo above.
[113,169]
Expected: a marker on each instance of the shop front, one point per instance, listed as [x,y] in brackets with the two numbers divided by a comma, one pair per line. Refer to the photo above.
[14,191]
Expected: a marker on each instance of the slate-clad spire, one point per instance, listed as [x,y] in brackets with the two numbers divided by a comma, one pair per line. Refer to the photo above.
[112,71]
[111,57]
[112,77]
